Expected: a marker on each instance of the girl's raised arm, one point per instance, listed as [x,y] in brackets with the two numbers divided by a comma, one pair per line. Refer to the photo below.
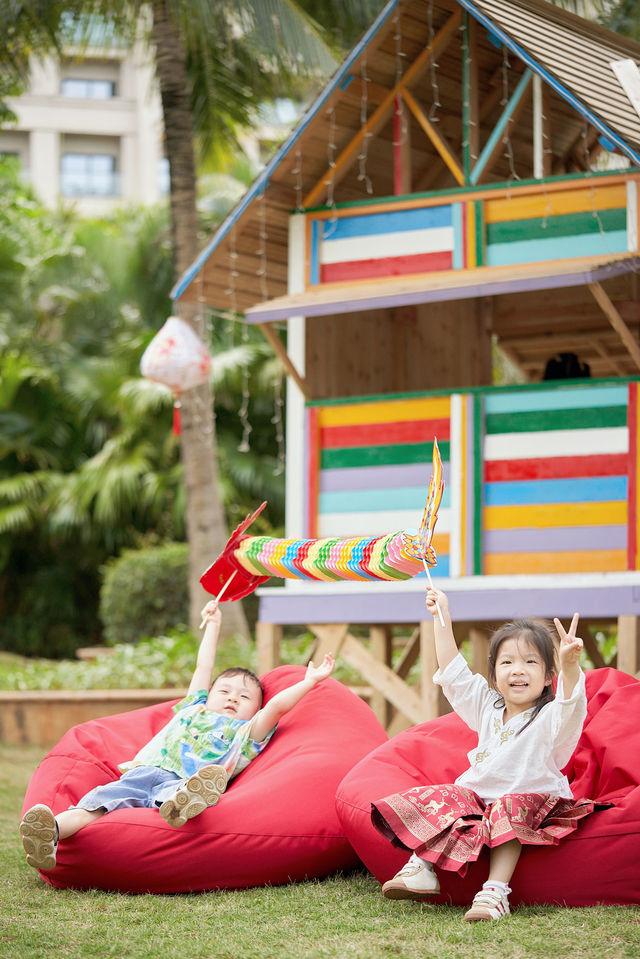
[569,654]
[446,646]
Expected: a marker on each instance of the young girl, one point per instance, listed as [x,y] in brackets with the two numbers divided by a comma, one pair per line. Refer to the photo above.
[215,733]
[513,792]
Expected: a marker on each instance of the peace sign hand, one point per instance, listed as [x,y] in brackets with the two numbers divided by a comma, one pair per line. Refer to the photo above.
[570,644]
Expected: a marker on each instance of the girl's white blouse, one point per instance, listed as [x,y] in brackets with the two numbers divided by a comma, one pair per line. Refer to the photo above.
[504,762]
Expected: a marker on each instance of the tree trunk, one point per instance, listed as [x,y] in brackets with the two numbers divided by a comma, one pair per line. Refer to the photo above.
[206,528]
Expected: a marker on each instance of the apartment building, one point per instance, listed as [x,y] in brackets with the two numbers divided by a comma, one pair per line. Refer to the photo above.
[89,130]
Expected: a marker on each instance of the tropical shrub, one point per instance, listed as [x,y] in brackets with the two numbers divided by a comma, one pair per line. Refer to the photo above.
[144,593]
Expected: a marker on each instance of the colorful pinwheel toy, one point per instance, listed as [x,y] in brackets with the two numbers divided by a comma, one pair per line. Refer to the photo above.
[390,556]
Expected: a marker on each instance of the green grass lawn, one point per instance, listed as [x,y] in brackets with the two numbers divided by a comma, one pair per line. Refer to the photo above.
[341,916]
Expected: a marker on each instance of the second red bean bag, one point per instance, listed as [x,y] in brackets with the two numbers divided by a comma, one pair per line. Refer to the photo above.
[596,864]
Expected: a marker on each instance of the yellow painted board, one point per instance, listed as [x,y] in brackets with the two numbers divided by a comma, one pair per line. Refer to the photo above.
[590,561]
[553,204]
[472,254]
[385,412]
[555,514]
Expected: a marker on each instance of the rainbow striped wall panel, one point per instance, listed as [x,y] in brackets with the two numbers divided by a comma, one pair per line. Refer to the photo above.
[386,243]
[560,225]
[559,483]
[369,465]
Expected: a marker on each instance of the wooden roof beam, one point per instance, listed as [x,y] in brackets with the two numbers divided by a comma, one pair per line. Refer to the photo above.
[608,308]
[438,141]
[583,148]
[381,114]
[509,116]
[489,103]
[602,352]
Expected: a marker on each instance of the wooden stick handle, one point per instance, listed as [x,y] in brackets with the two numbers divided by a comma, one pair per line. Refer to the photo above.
[221,594]
[426,569]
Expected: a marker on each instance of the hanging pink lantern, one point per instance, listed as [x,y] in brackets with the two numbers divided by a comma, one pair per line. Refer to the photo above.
[177,358]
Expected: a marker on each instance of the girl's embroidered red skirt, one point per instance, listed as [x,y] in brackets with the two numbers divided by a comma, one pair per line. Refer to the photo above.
[449,825]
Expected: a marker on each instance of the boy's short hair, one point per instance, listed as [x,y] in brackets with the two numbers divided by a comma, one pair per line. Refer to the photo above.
[241,671]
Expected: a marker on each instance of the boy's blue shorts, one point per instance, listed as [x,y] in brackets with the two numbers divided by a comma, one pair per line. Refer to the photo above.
[141,786]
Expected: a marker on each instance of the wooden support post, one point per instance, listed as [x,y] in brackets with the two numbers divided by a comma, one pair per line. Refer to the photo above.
[329,639]
[268,639]
[604,302]
[401,150]
[383,679]
[276,343]
[429,664]
[479,650]
[381,647]
[629,644]
[591,647]
[397,721]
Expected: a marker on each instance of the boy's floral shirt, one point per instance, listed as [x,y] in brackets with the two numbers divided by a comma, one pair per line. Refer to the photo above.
[196,737]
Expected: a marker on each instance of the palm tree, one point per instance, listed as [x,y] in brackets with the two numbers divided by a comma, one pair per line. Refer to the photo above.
[177,47]
[622,16]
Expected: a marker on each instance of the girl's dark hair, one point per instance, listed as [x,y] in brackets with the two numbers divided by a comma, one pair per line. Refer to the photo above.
[240,671]
[539,635]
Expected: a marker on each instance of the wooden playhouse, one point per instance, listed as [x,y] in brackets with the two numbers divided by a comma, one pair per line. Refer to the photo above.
[468,178]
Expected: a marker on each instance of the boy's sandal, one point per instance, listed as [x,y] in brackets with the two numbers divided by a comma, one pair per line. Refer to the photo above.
[39,832]
[200,791]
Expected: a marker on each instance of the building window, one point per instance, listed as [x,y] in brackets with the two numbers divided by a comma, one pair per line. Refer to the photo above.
[88,89]
[88,174]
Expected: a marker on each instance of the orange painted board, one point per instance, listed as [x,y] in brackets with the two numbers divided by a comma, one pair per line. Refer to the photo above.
[555,204]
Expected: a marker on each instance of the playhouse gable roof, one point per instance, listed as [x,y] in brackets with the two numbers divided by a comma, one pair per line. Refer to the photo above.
[414,55]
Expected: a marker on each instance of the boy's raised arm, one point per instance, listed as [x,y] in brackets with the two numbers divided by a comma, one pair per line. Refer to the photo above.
[286,699]
[203,672]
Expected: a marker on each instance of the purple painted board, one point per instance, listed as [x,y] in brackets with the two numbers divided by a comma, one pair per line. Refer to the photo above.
[492,605]
[379,477]
[556,539]
[455,292]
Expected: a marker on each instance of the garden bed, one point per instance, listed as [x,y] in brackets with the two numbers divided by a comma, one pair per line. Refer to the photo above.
[41,717]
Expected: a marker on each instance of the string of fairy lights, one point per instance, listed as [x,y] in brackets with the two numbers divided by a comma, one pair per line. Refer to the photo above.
[400,57]
[363,176]
[332,149]
[433,70]
[508,147]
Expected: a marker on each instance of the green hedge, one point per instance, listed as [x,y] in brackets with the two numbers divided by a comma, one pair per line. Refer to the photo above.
[145,593]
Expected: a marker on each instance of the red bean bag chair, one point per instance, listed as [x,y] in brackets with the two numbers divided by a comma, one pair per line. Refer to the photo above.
[596,864]
[275,823]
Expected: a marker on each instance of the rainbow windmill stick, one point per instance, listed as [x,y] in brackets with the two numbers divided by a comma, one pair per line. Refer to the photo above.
[391,556]
[429,517]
